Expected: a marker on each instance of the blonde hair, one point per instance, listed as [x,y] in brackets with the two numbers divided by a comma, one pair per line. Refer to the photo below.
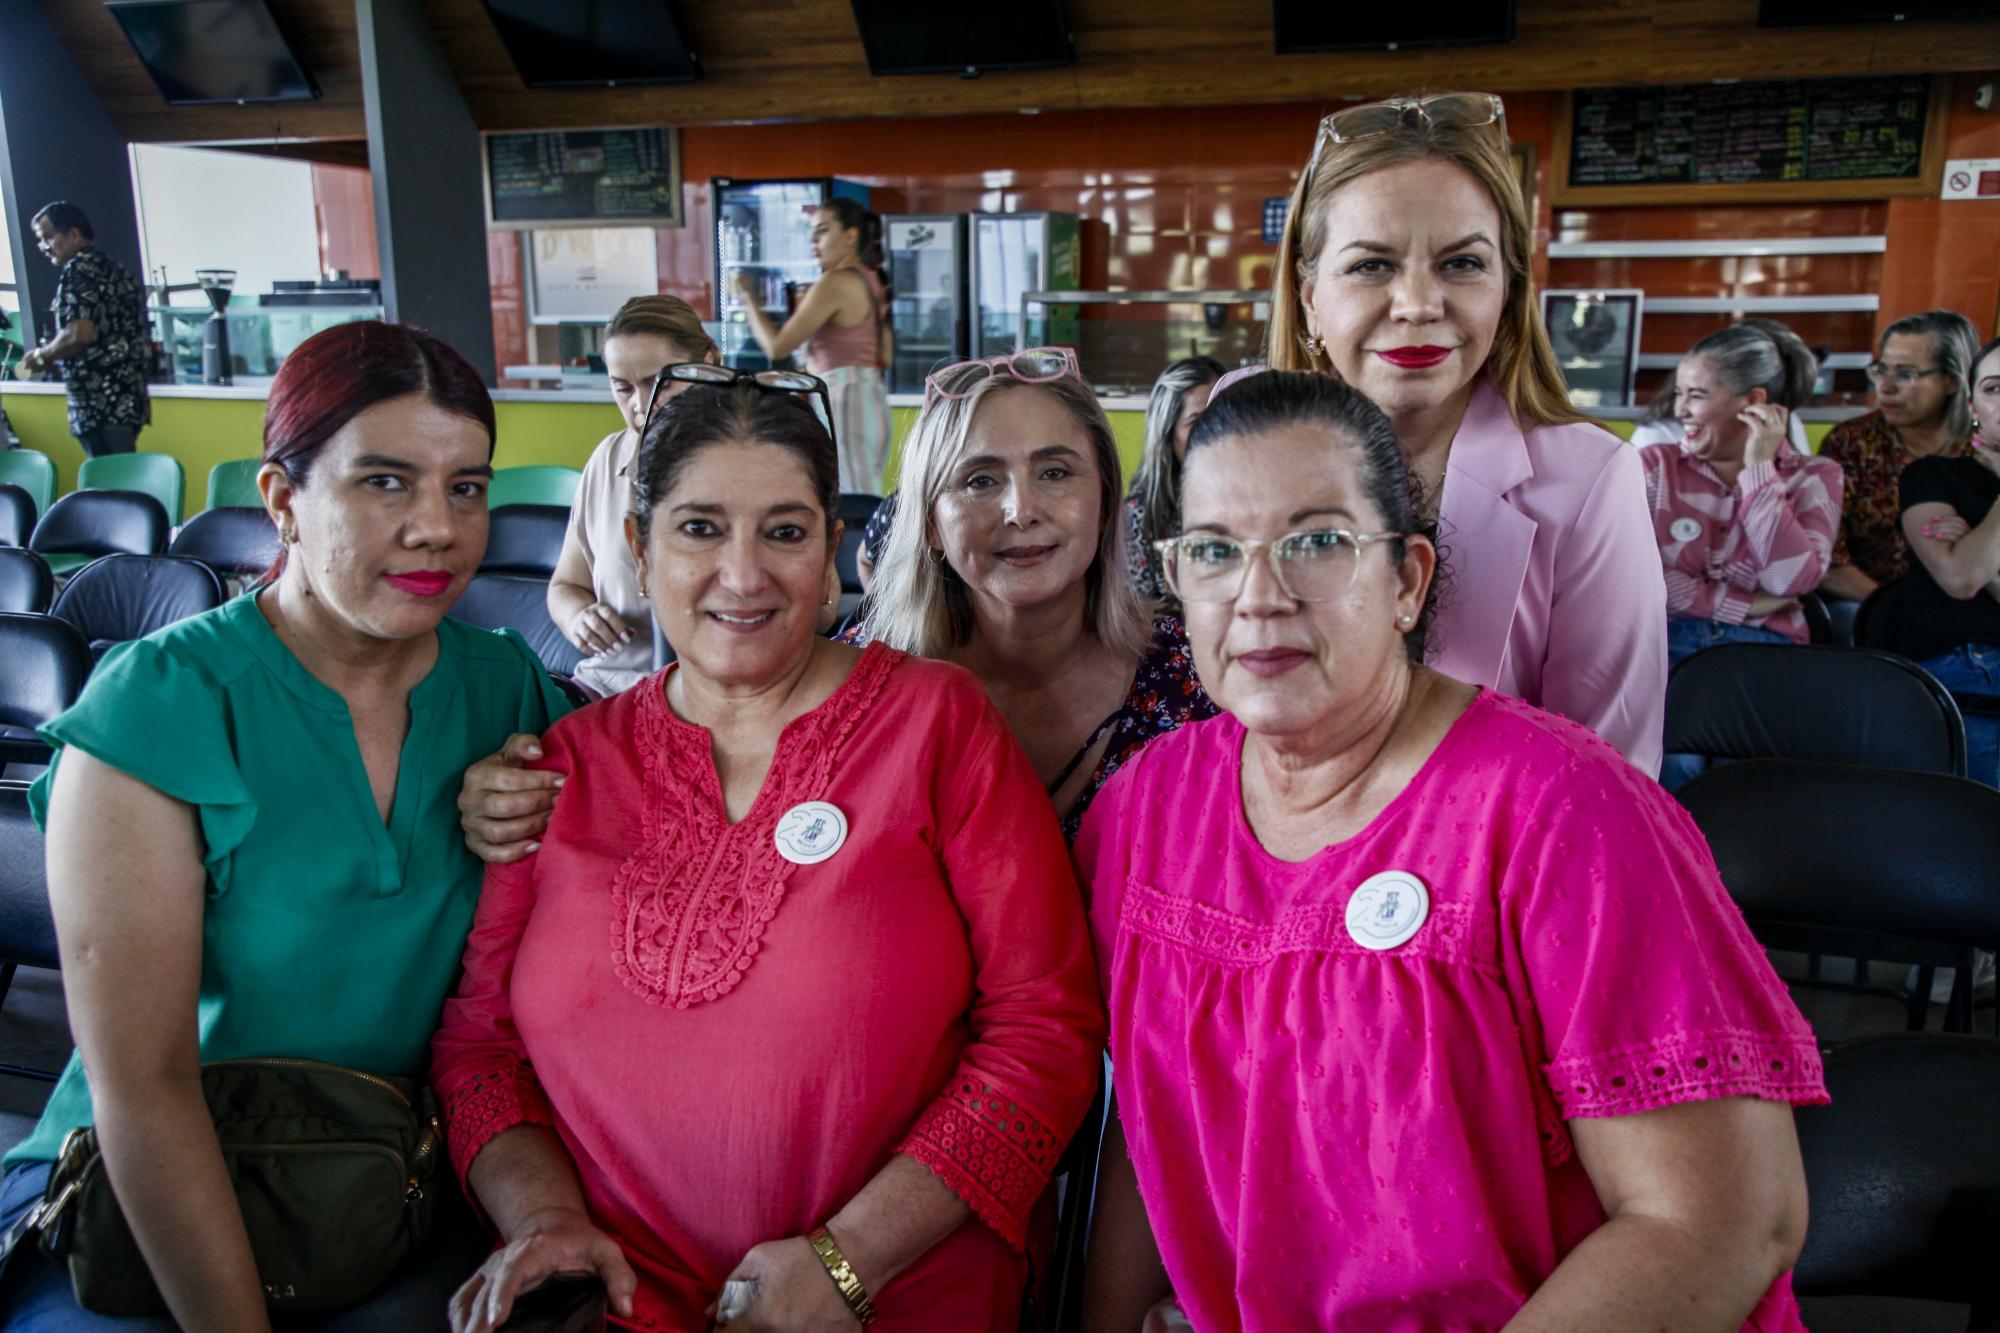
[920,604]
[666,317]
[1523,365]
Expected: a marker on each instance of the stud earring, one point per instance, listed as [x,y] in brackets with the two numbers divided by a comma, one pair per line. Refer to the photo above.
[1404,621]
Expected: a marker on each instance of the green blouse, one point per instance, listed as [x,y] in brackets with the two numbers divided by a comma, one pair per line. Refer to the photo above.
[326,933]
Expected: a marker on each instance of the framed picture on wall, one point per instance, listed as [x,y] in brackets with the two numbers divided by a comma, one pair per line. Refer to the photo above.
[1596,340]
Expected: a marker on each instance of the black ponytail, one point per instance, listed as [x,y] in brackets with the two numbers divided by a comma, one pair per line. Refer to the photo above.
[853,217]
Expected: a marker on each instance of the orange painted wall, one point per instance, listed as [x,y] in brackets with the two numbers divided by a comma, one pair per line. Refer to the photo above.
[1945,253]
[344,199]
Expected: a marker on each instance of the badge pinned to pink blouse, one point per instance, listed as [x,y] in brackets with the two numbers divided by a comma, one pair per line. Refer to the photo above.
[810,832]
[1387,910]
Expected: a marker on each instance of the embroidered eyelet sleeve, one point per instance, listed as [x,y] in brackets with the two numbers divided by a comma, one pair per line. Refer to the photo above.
[484,1081]
[1632,965]
[997,1128]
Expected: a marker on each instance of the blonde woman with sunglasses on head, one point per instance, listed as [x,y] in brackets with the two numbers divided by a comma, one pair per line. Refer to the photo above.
[1404,270]
[1007,555]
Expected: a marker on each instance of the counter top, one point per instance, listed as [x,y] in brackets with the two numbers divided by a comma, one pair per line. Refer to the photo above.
[602,397]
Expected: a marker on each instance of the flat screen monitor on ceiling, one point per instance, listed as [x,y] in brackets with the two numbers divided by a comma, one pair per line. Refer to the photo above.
[926,37]
[1796,13]
[1301,26]
[206,51]
[593,43]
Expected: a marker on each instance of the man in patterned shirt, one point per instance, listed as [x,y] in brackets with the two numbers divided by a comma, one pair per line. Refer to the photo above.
[101,339]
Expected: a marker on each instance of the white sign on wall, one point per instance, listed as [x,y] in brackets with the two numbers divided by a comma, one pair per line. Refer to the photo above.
[584,275]
[1972,178]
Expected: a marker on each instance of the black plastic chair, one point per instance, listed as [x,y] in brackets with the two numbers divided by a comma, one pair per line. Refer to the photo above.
[235,542]
[518,602]
[1903,1170]
[1834,705]
[26,584]
[525,539]
[120,597]
[27,930]
[1921,887]
[86,524]
[853,511]
[1819,621]
[1060,1301]
[17,515]
[1877,629]
[47,662]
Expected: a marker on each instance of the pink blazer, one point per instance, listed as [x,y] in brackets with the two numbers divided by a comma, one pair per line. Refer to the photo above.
[1554,590]
[1555,593]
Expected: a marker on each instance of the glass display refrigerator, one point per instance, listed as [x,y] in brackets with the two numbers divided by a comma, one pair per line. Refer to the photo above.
[1014,253]
[926,254]
[763,228]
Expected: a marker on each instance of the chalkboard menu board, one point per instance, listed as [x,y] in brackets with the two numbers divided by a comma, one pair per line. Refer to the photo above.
[1823,138]
[584,178]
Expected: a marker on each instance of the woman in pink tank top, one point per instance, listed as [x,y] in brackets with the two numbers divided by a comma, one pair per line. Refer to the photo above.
[843,323]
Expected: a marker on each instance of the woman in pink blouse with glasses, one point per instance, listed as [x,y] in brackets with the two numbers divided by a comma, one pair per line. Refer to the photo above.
[1404,271]
[1427,1011]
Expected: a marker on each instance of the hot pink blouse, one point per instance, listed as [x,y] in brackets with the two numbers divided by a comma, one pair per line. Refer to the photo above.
[1329,1135]
[731,1045]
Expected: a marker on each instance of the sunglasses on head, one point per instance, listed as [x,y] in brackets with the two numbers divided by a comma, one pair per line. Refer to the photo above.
[1373,120]
[771,381]
[1033,365]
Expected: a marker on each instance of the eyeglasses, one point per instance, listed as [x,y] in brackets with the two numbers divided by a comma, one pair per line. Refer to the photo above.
[1033,365]
[1880,372]
[772,381]
[1310,566]
[1372,120]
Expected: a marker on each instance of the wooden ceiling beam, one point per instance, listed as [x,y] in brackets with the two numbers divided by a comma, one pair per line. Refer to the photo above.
[795,60]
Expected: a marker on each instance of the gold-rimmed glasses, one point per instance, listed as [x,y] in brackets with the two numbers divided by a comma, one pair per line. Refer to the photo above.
[1313,566]
[1372,120]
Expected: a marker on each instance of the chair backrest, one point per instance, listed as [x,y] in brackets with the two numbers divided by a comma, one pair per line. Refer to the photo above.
[541,484]
[1819,620]
[34,472]
[234,484]
[519,602]
[1868,852]
[1903,1170]
[1835,705]
[525,539]
[17,514]
[231,540]
[120,597]
[853,511]
[157,475]
[103,523]
[47,662]
[26,582]
[27,930]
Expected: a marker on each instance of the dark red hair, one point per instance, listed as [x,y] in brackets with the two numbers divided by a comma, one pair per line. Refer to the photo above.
[335,376]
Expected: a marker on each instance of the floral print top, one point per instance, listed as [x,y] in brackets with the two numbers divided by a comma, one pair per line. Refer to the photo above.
[1872,455]
[107,379]
[1165,695]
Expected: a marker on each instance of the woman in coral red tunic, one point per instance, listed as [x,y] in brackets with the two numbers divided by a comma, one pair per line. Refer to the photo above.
[852,990]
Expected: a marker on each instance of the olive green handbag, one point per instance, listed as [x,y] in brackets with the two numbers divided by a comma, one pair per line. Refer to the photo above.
[332,1169]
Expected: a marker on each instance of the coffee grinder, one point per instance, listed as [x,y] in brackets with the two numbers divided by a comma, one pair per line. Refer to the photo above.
[216,363]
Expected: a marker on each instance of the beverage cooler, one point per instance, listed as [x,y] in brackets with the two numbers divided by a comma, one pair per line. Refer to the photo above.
[764,228]
[1023,252]
[926,255]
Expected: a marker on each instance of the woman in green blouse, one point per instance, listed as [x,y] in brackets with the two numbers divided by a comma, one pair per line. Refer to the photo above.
[253,842]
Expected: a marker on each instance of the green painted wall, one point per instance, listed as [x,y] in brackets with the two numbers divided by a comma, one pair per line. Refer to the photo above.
[202,432]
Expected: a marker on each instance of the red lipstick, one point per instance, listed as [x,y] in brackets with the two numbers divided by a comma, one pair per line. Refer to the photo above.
[1415,358]
[422,582]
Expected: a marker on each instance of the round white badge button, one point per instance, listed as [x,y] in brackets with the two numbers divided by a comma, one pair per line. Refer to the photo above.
[811,832]
[1387,909]
[1684,529]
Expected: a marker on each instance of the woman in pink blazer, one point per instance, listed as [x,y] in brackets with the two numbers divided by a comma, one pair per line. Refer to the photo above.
[1404,271]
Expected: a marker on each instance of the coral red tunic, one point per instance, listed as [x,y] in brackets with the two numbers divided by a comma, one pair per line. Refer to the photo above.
[731,1045]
